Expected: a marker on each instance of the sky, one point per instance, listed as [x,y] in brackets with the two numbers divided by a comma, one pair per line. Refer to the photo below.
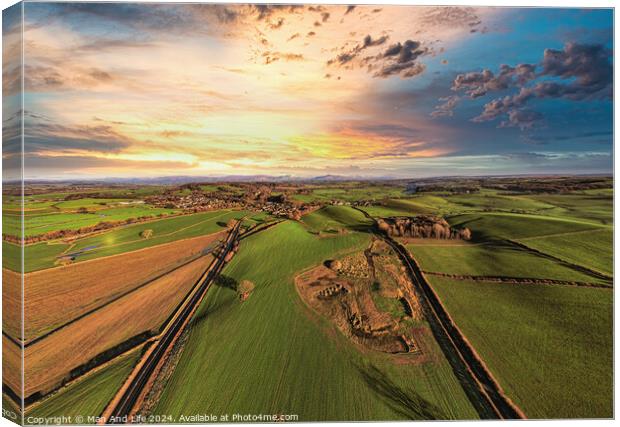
[149,90]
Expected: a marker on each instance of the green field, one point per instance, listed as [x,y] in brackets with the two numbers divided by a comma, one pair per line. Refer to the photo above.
[492,259]
[351,193]
[271,354]
[592,249]
[493,226]
[119,240]
[88,396]
[550,347]
[331,219]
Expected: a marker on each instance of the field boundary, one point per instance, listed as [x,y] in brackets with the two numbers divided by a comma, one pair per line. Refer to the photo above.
[516,280]
[116,298]
[577,267]
[136,386]
[40,271]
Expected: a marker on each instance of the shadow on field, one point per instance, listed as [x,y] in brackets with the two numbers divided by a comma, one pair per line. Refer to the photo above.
[405,402]
[226,282]
[212,309]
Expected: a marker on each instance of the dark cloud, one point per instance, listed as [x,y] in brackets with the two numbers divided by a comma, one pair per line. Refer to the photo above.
[351,54]
[477,84]
[264,11]
[401,58]
[578,72]
[311,33]
[589,65]
[350,9]
[325,16]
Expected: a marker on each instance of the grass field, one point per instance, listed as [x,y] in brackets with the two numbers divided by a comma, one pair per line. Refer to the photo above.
[493,226]
[88,396]
[549,346]
[52,358]
[592,249]
[79,288]
[331,219]
[119,240]
[492,259]
[271,354]
[64,215]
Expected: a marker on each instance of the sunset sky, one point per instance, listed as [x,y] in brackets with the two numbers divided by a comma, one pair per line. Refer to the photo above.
[145,90]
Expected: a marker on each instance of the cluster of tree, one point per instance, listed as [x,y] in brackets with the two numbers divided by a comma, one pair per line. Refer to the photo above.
[424,227]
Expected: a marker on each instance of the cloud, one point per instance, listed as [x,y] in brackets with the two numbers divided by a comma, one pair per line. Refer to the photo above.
[285,56]
[578,72]
[523,119]
[399,58]
[451,16]
[447,108]
[350,9]
[38,78]
[348,56]
[402,59]
[477,84]
[589,65]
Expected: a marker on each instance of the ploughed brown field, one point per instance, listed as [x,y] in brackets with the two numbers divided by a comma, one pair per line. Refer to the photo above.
[51,359]
[58,295]
[11,364]
[11,303]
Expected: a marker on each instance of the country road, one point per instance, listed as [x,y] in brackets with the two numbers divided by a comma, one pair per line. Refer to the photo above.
[121,408]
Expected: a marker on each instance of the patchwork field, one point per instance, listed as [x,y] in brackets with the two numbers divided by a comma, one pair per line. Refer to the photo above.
[142,311]
[333,329]
[119,240]
[73,286]
[320,374]
[549,346]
